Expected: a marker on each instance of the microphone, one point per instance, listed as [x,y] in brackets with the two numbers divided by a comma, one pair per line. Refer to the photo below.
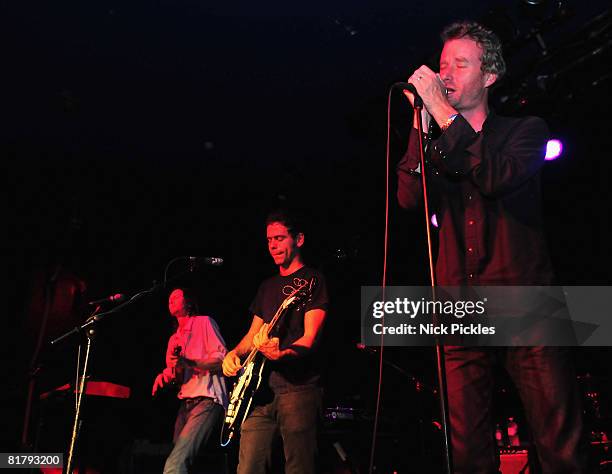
[406,86]
[214,261]
[117,298]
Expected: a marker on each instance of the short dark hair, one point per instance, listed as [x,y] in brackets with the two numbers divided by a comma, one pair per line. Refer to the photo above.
[292,219]
[492,58]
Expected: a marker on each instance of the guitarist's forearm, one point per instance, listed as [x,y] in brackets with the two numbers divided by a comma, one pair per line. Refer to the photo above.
[296,350]
[246,343]
[293,352]
[300,348]
[244,346]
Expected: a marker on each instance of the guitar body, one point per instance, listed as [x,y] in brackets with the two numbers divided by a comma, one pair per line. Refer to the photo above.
[241,398]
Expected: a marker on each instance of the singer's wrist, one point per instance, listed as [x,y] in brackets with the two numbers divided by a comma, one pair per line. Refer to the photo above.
[442,112]
[448,122]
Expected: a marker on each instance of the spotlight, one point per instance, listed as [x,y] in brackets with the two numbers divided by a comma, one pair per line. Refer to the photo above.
[554,148]
[434,220]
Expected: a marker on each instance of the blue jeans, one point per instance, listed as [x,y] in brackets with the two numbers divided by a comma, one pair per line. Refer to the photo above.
[546,382]
[295,417]
[195,421]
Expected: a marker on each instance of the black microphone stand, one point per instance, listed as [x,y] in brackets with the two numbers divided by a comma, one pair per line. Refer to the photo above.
[418,107]
[88,328]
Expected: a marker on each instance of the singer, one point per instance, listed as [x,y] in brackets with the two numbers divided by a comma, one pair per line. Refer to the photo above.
[483,177]
[193,361]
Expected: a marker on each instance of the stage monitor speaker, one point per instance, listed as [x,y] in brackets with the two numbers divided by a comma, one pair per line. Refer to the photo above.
[514,461]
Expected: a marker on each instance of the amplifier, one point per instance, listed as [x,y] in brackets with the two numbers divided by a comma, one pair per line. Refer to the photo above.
[514,461]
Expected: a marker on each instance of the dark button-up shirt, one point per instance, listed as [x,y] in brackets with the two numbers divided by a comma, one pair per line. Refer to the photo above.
[485,190]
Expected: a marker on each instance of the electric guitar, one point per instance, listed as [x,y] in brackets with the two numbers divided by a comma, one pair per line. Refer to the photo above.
[252,368]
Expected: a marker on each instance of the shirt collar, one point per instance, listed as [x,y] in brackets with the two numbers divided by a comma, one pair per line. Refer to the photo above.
[491,121]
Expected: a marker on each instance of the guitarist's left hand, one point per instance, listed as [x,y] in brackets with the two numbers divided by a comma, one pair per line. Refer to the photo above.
[268,347]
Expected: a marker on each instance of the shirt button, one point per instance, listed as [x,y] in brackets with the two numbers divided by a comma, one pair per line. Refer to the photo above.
[471,222]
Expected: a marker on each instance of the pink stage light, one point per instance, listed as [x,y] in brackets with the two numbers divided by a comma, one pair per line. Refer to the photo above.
[434,220]
[554,148]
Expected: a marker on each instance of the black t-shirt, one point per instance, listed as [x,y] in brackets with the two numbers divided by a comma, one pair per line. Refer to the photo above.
[293,374]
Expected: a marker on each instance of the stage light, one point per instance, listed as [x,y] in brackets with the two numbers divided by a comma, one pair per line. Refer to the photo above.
[434,220]
[554,148]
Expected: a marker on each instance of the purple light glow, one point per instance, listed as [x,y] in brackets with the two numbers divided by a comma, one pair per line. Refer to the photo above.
[554,148]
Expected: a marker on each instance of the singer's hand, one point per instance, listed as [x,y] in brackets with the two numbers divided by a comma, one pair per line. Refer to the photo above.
[425,117]
[429,86]
[410,96]
[433,92]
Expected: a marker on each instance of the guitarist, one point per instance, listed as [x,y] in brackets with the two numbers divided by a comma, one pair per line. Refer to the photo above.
[294,407]
[193,362]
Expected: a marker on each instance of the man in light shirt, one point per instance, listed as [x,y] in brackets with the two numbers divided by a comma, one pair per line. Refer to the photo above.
[193,362]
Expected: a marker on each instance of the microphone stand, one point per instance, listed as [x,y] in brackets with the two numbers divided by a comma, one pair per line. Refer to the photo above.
[82,379]
[418,107]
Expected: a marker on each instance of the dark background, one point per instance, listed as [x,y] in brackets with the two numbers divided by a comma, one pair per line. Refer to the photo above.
[136,132]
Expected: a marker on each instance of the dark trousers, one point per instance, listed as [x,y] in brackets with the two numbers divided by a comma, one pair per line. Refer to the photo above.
[195,421]
[546,382]
[295,417]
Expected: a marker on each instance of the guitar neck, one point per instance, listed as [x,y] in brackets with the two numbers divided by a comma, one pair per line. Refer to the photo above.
[271,326]
[279,312]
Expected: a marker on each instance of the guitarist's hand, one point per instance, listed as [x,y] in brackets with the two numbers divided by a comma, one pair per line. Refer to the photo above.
[261,337]
[231,364]
[268,347]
